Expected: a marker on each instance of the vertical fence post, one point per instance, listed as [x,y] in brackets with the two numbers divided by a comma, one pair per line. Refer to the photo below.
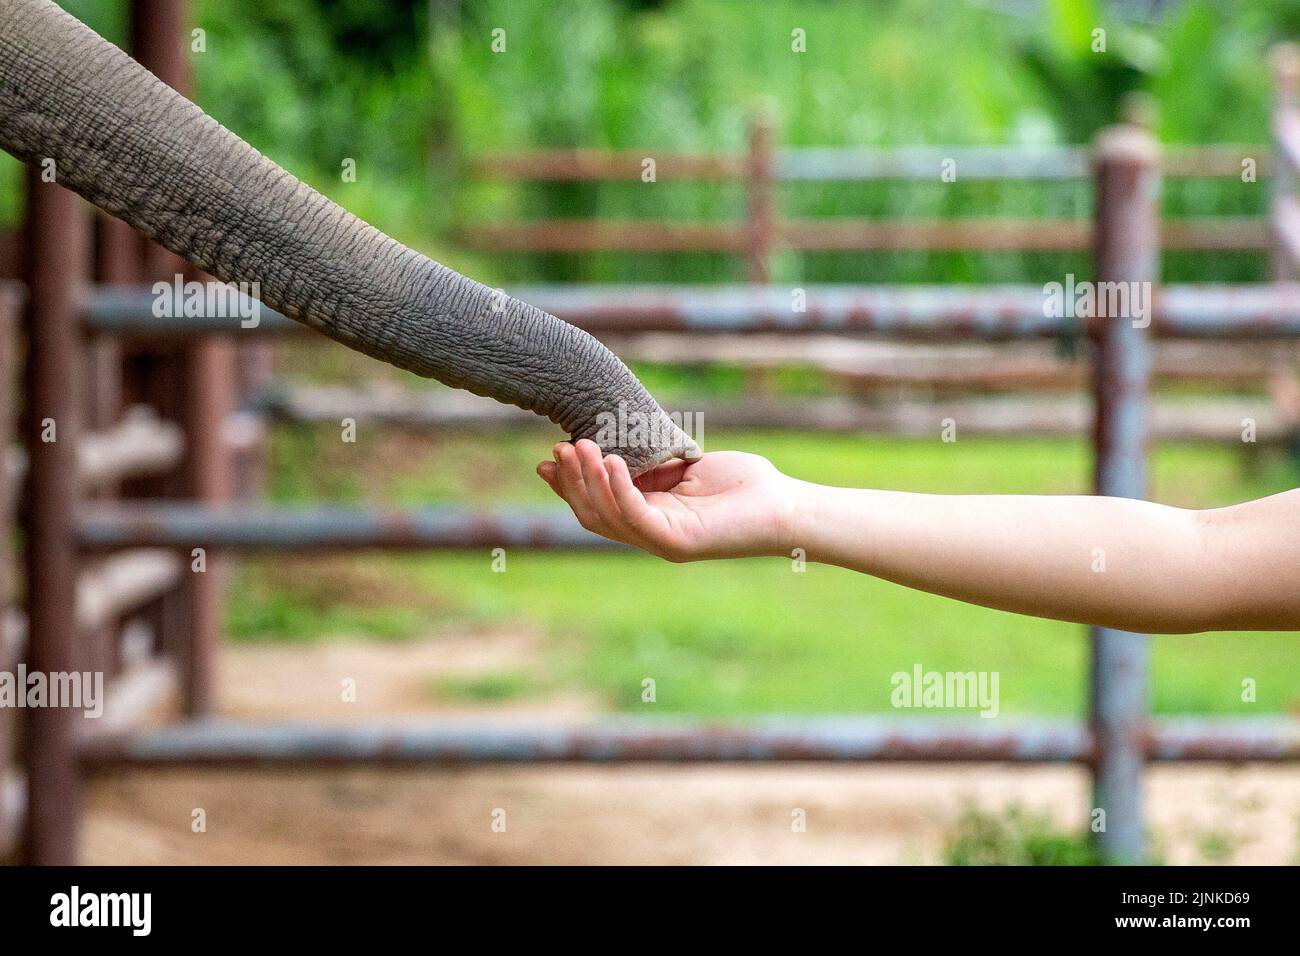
[1286,138]
[10,407]
[12,799]
[1127,243]
[194,387]
[116,262]
[760,171]
[55,251]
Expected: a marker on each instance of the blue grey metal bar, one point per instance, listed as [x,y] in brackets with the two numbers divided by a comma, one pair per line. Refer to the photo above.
[625,740]
[1045,162]
[1128,180]
[1187,739]
[927,162]
[612,740]
[983,312]
[184,525]
[141,313]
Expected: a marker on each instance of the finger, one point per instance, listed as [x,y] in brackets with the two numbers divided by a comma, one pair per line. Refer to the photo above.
[596,480]
[630,501]
[547,471]
[663,478]
[572,488]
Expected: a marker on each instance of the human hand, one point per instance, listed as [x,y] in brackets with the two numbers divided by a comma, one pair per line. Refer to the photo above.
[726,504]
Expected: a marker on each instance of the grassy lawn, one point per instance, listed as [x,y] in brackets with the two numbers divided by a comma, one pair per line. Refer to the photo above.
[742,637]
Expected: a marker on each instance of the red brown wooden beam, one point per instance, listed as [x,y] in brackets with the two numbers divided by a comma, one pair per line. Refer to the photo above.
[594,235]
[10,258]
[11,795]
[195,387]
[593,164]
[992,235]
[56,250]
[850,235]
[13,811]
[843,234]
[1208,162]
[1286,233]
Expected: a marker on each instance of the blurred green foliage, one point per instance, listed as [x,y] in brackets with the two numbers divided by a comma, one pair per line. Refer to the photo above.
[1016,837]
[411,88]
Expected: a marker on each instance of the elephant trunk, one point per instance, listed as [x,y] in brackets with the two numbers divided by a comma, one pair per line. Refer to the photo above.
[142,152]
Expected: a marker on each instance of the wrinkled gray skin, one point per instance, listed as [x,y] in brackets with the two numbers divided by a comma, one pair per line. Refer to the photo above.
[140,151]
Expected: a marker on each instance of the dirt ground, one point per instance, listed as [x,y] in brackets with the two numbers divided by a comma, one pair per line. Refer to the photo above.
[615,815]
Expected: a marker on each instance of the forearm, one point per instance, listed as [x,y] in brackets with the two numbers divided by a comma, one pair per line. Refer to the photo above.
[1127,564]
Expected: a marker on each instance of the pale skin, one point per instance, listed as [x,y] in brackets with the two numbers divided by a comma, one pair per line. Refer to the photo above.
[1115,562]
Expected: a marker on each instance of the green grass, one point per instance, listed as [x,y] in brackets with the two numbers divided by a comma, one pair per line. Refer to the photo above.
[1018,837]
[486,689]
[741,637]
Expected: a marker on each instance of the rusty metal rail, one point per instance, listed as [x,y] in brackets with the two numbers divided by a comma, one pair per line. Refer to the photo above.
[222,743]
[184,525]
[1064,416]
[949,311]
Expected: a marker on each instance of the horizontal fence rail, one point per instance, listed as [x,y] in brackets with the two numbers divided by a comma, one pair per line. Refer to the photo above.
[129,311]
[987,312]
[1066,417]
[182,525]
[763,168]
[220,743]
[846,234]
[857,163]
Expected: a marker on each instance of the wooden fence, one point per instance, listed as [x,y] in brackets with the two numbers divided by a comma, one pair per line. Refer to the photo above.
[763,232]
[126,514]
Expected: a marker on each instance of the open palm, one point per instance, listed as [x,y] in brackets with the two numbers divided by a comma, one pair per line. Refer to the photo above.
[727,504]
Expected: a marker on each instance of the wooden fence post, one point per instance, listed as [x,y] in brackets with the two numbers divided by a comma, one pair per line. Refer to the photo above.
[55,253]
[1284,259]
[760,171]
[1127,251]
[194,386]
[12,798]
[116,262]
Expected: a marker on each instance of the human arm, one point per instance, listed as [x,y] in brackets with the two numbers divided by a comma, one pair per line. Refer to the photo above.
[1116,562]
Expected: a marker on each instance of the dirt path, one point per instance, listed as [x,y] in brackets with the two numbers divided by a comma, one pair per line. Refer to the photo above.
[618,815]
